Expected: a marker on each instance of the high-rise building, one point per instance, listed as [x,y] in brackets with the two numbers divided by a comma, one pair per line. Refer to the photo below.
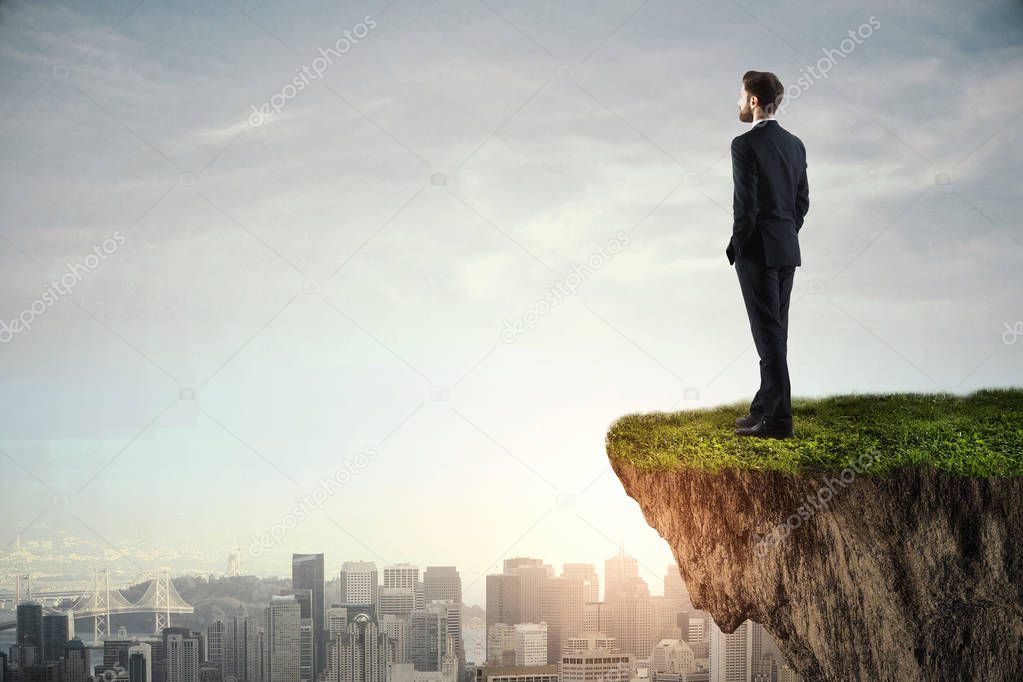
[562,611]
[237,654]
[183,657]
[358,583]
[502,602]
[444,584]
[307,574]
[597,616]
[531,644]
[587,573]
[396,629]
[532,573]
[428,636]
[307,633]
[283,642]
[76,661]
[590,640]
[30,632]
[620,572]
[501,644]
[58,629]
[516,673]
[140,663]
[215,633]
[360,651]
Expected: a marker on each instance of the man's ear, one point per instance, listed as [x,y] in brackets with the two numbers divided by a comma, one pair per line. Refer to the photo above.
[753,102]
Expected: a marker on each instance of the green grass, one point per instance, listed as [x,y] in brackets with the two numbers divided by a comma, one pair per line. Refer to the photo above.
[976,435]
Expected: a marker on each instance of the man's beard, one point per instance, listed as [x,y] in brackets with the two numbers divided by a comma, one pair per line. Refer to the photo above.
[746,115]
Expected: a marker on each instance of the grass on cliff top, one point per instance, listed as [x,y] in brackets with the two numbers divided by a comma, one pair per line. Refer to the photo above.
[976,435]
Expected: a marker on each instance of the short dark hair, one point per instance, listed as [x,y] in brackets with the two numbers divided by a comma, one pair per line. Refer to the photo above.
[766,87]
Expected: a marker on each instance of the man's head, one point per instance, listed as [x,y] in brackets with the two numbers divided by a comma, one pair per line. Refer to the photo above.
[759,96]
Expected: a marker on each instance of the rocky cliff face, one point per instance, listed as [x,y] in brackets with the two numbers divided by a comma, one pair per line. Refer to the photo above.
[914,575]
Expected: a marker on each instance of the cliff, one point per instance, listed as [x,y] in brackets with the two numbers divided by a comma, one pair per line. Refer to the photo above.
[885,542]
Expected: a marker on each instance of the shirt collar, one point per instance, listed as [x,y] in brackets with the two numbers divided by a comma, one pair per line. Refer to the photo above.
[761,120]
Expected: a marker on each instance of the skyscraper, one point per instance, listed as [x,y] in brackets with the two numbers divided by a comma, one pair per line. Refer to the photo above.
[502,601]
[307,574]
[283,645]
[532,573]
[675,589]
[30,631]
[76,662]
[562,611]
[358,583]
[58,629]
[428,636]
[182,658]
[531,644]
[307,636]
[444,584]
[140,663]
[359,652]
[215,645]
[587,573]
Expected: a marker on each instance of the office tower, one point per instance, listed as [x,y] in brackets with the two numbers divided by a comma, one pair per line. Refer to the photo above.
[183,656]
[307,574]
[283,644]
[629,598]
[428,636]
[140,663]
[404,576]
[675,589]
[76,661]
[671,656]
[696,626]
[620,572]
[532,573]
[396,630]
[115,651]
[562,610]
[587,573]
[665,619]
[595,664]
[30,632]
[395,601]
[444,584]
[731,654]
[58,629]
[4,674]
[502,602]
[360,651]
[306,632]
[501,644]
[596,616]
[215,645]
[358,583]
[236,647]
[531,644]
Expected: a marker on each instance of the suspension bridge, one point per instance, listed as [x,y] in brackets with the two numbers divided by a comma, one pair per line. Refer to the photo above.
[101,602]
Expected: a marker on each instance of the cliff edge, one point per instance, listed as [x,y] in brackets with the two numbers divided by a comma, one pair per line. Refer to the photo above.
[884,542]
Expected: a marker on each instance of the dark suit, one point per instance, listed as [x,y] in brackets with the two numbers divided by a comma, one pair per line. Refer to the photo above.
[770,201]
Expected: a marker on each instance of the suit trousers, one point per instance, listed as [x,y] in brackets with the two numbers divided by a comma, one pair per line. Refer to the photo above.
[766,291]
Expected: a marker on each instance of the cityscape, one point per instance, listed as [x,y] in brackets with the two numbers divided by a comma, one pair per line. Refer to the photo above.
[370,623]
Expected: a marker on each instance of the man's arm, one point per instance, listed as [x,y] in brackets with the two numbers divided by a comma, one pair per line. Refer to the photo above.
[802,196]
[744,197]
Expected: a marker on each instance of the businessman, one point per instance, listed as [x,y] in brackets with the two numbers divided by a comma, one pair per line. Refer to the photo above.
[770,201]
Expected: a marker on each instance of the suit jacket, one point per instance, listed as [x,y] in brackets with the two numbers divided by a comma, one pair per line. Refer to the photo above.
[771,195]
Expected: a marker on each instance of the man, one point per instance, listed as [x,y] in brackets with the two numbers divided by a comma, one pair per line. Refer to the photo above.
[770,201]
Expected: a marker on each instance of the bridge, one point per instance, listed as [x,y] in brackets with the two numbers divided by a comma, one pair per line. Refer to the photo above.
[100,602]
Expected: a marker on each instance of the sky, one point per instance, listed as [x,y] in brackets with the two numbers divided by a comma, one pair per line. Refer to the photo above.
[477,234]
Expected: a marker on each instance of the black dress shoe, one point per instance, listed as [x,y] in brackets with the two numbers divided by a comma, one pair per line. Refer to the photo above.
[749,420]
[765,430]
